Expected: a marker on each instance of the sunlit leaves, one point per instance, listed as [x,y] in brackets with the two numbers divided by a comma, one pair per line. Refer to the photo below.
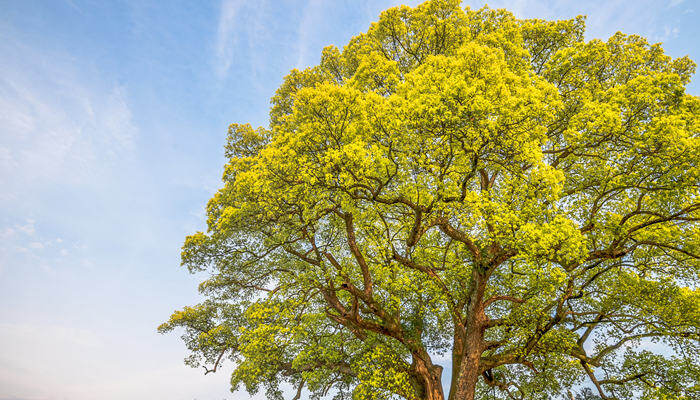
[453,171]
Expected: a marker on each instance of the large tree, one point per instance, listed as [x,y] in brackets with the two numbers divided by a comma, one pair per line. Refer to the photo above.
[460,189]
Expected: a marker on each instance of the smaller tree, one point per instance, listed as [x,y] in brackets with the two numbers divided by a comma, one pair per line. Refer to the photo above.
[460,188]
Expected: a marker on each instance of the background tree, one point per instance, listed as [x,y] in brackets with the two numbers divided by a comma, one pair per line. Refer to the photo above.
[460,188]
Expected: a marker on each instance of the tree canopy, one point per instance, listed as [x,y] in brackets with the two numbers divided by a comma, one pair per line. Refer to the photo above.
[460,189]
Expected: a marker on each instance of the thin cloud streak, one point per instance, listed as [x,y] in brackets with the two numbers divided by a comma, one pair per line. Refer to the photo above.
[313,12]
[227,35]
[60,130]
[55,125]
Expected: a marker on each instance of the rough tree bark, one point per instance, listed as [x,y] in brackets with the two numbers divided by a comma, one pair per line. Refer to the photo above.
[464,388]
[431,378]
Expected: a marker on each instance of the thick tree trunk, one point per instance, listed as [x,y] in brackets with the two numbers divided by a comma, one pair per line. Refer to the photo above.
[457,355]
[468,371]
[431,379]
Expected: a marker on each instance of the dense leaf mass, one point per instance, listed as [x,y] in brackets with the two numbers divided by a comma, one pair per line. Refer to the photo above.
[460,189]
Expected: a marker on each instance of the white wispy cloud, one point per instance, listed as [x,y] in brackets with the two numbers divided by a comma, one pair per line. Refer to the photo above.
[21,243]
[313,12]
[54,126]
[227,35]
[61,126]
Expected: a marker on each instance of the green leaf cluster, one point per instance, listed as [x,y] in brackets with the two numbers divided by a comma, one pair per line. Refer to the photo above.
[465,187]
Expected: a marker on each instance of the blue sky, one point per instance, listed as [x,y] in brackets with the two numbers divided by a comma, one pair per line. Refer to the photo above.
[112,123]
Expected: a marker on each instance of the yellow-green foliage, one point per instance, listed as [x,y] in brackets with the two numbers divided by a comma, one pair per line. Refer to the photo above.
[441,149]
